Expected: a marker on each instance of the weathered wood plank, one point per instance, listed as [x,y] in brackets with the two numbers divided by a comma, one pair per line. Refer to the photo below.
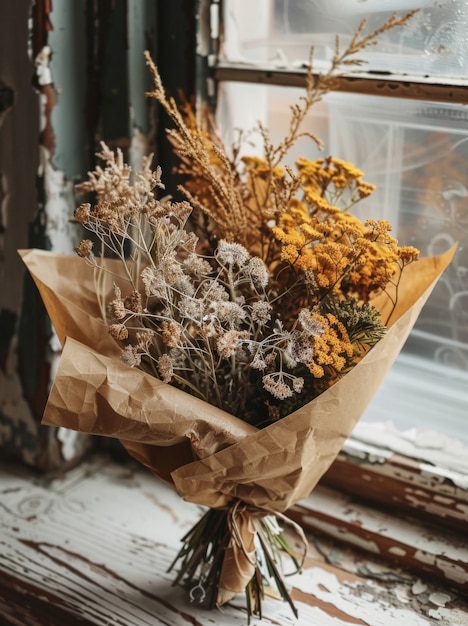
[92,547]
[441,554]
[422,489]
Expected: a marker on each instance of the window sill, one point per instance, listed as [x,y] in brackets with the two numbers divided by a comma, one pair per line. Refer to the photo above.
[92,547]
[406,542]
[426,490]
[407,511]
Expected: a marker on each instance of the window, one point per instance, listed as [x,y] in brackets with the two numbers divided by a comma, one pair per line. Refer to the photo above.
[401,118]
[415,150]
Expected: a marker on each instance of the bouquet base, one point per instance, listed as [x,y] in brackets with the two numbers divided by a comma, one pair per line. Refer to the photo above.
[233,550]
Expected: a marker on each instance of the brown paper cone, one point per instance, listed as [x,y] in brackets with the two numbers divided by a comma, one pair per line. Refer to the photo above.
[281,464]
[68,289]
[271,468]
[212,457]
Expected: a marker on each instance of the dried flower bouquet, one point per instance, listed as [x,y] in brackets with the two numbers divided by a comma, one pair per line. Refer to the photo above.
[231,340]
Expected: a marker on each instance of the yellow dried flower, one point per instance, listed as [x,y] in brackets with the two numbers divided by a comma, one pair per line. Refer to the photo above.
[332,348]
[408,254]
[365,189]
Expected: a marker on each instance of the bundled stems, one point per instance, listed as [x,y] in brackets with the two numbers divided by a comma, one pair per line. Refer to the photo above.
[200,561]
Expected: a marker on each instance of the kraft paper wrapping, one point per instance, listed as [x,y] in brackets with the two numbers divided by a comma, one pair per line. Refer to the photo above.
[210,456]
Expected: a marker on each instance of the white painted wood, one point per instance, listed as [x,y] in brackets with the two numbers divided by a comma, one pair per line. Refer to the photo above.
[96,544]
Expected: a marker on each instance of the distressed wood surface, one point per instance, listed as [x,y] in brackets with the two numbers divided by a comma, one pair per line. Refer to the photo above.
[439,553]
[420,489]
[93,546]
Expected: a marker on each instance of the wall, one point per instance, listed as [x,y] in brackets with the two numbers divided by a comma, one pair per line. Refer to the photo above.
[72,74]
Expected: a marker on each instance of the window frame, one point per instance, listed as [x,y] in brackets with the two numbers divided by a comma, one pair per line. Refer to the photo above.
[379,477]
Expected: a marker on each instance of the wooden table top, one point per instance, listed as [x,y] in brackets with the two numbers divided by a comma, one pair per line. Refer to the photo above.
[92,547]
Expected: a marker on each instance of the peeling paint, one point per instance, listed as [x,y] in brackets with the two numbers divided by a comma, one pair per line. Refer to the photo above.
[341,534]
[428,446]
[399,539]
[418,588]
[397,551]
[404,483]
[444,500]
[47,98]
[440,599]
[355,599]
[59,206]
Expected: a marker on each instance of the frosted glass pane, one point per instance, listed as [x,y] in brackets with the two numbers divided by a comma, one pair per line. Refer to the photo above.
[281,33]
[417,155]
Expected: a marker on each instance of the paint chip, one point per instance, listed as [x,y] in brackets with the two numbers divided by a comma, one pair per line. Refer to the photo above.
[418,587]
[439,614]
[439,599]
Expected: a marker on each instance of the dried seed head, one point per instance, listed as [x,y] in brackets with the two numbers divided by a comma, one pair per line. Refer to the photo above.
[274,384]
[85,249]
[117,309]
[118,331]
[133,302]
[165,368]
[83,213]
[232,253]
[131,356]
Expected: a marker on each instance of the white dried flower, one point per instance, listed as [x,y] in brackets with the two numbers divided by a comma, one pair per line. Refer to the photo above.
[232,254]
[153,281]
[258,362]
[229,342]
[165,368]
[303,347]
[192,308]
[144,338]
[229,312]
[298,384]
[197,265]
[185,286]
[212,291]
[172,270]
[261,311]
[131,356]
[258,272]
[274,384]
[310,323]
